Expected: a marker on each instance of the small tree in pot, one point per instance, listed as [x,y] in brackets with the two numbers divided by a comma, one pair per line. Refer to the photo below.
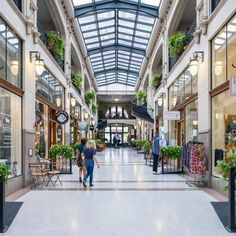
[4,173]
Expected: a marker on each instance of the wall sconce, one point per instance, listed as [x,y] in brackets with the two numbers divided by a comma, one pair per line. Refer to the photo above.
[218,67]
[39,63]
[93,122]
[73,101]
[193,65]
[160,101]
[77,111]
[58,102]
[217,116]
[174,101]
[139,122]
[14,67]
[85,115]
[195,122]
[135,127]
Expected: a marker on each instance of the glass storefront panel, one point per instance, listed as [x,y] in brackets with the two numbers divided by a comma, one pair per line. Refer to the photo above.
[191,121]
[223,128]
[11,131]
[173,132]
[219,59]
[11,58]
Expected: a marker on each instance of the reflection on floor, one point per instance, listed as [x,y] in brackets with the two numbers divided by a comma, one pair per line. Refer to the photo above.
[127,199]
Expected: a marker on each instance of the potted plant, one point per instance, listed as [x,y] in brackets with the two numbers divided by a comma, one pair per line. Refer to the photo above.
[141,95]
[94,108]
[171,152]
[65,151]
[77,80]
[89,96]
[56,46]
[147,146]
[4,173]
[177,44]
[156,81]
[54,151]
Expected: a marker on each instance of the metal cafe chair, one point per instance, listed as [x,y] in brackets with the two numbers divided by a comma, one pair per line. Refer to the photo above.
[38,172]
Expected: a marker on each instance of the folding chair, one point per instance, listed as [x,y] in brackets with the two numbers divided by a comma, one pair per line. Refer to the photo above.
[37,171]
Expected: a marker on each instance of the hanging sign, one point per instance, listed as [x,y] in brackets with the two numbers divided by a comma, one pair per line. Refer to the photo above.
[232,85]
[171,115]
[82,126]
[62,117]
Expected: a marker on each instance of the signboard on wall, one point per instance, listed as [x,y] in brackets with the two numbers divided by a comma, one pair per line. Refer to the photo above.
[62,117]
[171,115]
[232,85]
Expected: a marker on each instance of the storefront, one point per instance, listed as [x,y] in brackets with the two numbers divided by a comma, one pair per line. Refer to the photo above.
[183,98]
[75,118]
[223,102]
[50,99]
[10,99]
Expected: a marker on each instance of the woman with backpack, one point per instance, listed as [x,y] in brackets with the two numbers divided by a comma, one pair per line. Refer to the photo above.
[89,158]
[80,162]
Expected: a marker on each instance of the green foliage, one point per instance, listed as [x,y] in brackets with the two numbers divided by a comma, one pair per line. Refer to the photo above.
[94,108]
[4,172]
[104,140]
[77,80]
[147,146]
[98,141]
[156,81]
[89,96]
[64,150]
[134,142]
[141,94]
[172,152]
[140,142]
[56,45]
[224,165]
[177,44]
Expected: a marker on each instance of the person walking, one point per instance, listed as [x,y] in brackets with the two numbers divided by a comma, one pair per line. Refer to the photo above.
[80,162]
[155,153]
[89,158]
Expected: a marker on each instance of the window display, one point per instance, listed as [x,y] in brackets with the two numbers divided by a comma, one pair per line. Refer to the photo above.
[11,132]
[223,128]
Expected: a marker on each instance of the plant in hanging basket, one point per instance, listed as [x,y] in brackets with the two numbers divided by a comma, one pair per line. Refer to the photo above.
[89,96]
[177,44]
[141,94]
[77,80]
[4,173]
[156,81]
[56,45]
[94,108]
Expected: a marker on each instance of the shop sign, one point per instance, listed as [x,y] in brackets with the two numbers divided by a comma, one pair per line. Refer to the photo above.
[62,117]
[171,115]
[82,126]
[232,85]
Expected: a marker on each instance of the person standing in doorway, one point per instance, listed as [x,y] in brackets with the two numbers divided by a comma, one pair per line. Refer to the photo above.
[89,158]
[80,162]
[155,153]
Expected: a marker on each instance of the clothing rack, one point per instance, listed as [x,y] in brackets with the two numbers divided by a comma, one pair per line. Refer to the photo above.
[195,167]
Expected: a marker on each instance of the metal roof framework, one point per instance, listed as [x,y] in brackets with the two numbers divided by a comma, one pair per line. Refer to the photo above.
[116,34]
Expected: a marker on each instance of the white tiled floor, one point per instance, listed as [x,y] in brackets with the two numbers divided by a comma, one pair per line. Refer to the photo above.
[160,205]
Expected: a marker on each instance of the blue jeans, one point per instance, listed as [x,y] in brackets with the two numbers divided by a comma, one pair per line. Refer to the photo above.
[89,164]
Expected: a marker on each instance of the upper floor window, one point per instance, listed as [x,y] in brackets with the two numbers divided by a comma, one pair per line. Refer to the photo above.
[214,4]
[18,4]
[11,55]
[224,54]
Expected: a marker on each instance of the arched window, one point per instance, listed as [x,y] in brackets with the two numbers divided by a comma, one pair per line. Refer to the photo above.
[117,112]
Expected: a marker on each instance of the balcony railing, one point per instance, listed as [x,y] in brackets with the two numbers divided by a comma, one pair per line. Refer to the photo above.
[214,4]
[18,4]
[189,34]
[43,37]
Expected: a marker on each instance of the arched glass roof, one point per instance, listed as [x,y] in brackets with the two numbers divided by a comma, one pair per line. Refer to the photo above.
[116,34]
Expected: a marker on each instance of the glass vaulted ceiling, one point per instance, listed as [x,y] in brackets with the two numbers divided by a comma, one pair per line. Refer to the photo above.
[116,34]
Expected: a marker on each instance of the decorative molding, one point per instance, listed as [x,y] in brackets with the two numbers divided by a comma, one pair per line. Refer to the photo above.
[197,35]
[36,36]
[29,26]
[203,25]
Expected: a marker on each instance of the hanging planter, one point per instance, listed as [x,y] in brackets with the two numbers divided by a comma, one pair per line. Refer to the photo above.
[56,46]
[94,108]
[141,95]
[156,81]
[177,44]
[89,96]
[4,173]
[77,80]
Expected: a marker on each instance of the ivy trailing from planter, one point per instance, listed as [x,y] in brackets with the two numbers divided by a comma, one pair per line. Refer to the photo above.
[4,173]
[156,81]
[177,44]
[77,80]
[141,94]
[56,45]
[94,108]
[89,96]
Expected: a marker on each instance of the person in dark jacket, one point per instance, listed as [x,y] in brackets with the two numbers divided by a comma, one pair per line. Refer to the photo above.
[89,158]
[155,152]
[80,162]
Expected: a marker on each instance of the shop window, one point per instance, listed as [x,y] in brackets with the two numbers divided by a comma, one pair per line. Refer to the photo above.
[191,121]
[173,132]
[10,131]
[223,128]
[11,58]
[219,59]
